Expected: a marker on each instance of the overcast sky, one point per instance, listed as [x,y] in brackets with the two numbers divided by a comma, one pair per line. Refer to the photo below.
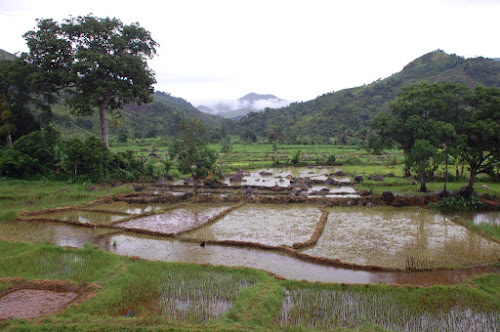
[296,50]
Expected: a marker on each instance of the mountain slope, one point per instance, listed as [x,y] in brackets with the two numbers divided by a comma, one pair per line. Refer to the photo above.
[6,56]
[321,118]
[158,118]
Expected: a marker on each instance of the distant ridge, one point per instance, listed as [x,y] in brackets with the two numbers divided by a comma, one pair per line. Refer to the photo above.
[4,55]
[320,119]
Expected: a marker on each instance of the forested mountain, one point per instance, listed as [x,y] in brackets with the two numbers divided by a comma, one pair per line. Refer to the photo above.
[320,119]
[6,55]
[158,118]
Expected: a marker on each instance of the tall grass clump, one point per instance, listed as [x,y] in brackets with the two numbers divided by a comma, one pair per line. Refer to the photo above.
[179,292]
[459,308]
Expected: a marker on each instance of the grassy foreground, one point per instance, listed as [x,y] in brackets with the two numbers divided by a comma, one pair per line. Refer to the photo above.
[142,295]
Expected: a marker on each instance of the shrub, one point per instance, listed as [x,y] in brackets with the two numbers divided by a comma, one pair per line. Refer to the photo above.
[294,158]
[458,203]
[330,159]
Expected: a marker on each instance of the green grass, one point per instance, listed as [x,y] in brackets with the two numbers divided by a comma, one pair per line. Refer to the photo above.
[258,302]
[24,195]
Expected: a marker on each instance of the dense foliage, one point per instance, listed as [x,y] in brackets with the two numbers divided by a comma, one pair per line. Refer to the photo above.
[432,122]
[99,62]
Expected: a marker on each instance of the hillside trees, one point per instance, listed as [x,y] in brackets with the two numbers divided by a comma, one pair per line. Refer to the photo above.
[99,62]
[20,94]
[427,117]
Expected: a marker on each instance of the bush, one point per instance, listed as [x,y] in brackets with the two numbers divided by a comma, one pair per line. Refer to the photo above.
[91,160]
[457,203]
[294,158]
[330,159]
[31,155]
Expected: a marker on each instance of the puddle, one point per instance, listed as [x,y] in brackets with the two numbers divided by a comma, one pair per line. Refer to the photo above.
[271,225]
[178,220]
[329,309]
[478,218]
[400,238]
[291,268]
[50,232]
[31,303]
[278,176]
[124,207]
[84,217]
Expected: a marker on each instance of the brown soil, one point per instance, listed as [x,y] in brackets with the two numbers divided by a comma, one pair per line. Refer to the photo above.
[32,299]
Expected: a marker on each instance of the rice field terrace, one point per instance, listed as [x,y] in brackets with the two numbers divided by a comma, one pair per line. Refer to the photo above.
[217,260]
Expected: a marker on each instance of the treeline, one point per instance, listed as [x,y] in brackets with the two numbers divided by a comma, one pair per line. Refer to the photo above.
[436,124]
[43,153]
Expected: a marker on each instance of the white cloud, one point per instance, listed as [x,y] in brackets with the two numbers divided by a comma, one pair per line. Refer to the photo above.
[222,49]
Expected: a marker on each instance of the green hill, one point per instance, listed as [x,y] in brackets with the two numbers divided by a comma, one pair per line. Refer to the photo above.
[158,118]
[320,119]
[6,56]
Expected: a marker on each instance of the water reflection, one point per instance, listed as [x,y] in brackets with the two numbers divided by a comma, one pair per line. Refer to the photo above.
[288,267]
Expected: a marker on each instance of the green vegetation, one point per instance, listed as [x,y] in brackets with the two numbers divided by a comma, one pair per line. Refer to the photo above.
[100,63]
[23,195]
[152,295]
[463,125]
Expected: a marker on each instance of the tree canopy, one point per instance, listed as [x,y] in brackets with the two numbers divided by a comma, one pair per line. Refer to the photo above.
[99,62]
[427,117]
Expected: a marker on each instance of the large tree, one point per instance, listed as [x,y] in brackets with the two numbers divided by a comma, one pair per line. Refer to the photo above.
[423,118]
[480,132]
[99,62]
[192,152]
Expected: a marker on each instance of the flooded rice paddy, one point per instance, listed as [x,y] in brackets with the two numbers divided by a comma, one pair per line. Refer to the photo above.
[478,218]
[170,250]
[176,220]
[196,297]
[328,309]
[81,216]
[358,238]
[263,224]
[400,238]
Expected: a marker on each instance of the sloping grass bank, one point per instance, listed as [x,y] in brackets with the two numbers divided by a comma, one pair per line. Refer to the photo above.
[143,295]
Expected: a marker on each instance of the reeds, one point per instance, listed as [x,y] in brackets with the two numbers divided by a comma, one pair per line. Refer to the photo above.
[328,309]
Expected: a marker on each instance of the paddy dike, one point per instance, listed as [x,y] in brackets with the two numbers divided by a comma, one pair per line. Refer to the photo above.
[301,239]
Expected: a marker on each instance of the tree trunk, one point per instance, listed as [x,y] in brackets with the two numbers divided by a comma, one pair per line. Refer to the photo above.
[446,174]
[9,140]
[472,179]
[104,125]
[423,187]
[195,185]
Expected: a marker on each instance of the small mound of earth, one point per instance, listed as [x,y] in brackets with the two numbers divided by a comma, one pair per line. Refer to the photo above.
[31,303]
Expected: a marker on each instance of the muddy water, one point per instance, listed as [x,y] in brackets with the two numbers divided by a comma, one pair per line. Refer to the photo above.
[272,225]
[478,218]
[291,268]
[401,238]
[280,176]
[178,220]
[124,207]
[444,238]
[50,232]
[83,217]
